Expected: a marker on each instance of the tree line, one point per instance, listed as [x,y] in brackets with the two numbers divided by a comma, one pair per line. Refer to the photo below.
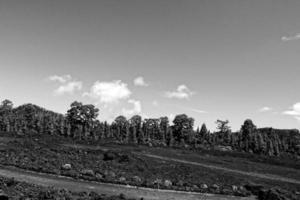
[80,122]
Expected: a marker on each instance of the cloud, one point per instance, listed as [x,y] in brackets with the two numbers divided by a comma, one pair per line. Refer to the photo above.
[294,111]
[137,108]
[290,38]
[109,92]
[196,110]
[60,79]
[265,109]
[139,81]
[67,84]
[69,87]
[182,92]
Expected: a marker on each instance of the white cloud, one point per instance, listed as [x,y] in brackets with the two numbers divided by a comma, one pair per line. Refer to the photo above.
[289,38]
[60,79]
[182,92]
[66,84]
[109,92]
[69,87]
[197,110]
[265,109]
[137,108]
[294,111]
[139,81]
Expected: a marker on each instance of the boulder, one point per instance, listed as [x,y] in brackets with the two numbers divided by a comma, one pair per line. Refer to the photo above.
[99,176]
[179,183]
[137,179]
[167,183]
[87,172]
[122,179]
[215,187]
[66,167]
[112,174]
[204,186]
[234,188]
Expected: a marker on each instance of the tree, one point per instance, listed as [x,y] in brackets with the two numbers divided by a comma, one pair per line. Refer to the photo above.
[247,130]
[121,124]
[82,117]
[163,127]
[136,122]
[183,127]
[222,126]
[5,114]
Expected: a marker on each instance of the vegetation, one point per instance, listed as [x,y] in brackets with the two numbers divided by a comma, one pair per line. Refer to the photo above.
[81,123]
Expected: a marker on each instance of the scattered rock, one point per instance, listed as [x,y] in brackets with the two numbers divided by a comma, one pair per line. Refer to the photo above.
[195,187]
[137,179]
[66,167]
[167,183]
[215,187]
[223,148]
[234,188]
[87,172]
[180,183]
[204,186]
[122,179]
[276,194]
[99,176]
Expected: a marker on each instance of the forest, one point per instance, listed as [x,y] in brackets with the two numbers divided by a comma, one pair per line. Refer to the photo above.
[81,123]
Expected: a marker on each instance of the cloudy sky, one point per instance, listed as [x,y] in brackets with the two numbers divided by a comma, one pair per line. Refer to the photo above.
[210,59]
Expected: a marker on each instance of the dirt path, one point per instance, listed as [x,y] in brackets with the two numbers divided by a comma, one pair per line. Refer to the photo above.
[108,189]
[253,174]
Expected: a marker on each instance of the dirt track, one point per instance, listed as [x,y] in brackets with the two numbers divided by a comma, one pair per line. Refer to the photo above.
[109,189]
[253,174]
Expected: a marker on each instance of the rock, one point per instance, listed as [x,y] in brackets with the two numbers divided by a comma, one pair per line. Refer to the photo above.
[215,187]
[122,179]
[112,174]
[195,187]
[87,172]
[223,148]
[204,186]
[187,188]
[137,179]
[109,156]
[276,194]
[180,183]
[66,167]
[167,183]
[99,176]
[234,188]
[3,196]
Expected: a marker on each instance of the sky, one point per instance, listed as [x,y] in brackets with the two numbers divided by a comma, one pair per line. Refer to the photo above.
[210,59]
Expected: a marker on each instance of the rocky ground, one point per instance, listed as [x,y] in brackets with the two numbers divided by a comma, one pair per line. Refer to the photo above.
[15,190]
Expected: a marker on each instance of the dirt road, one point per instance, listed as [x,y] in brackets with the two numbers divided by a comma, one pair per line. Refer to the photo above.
[109,189]
[253,174]
[271,177]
